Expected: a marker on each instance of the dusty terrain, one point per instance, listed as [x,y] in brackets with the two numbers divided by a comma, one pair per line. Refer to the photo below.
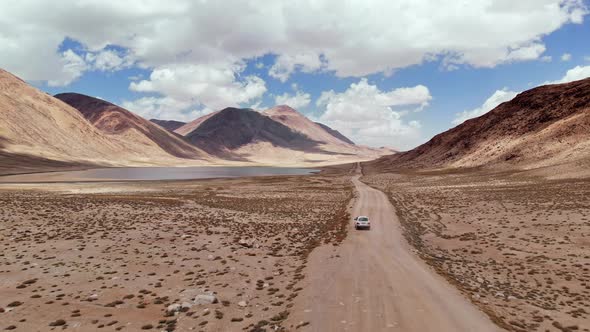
[517,246]
[374,282]
[152,255]
[448,251]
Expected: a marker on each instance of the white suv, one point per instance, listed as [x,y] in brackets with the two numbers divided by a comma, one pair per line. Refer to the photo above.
[361,222]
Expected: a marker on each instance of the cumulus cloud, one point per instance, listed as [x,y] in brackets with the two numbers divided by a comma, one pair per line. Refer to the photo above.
[296,101]
[566,57]
[109,60]
[374,117]
[188,86]
[164,108]
[286,64]
[574,74]
[494,100]
[306,36]
[72,67]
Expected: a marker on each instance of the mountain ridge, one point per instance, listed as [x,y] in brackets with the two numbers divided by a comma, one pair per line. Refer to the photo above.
[115,120]
[543,126]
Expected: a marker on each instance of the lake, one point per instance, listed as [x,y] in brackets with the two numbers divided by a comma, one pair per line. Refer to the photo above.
[155,173]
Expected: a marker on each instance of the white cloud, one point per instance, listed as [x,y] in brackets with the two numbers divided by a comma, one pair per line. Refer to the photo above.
[574,74]
[587,58]
[188,86]
[72,67]
[566,57]
[164,108]
[285,65]
[297,101]
[374,117]
[109,60]
[494,100]
[306,36]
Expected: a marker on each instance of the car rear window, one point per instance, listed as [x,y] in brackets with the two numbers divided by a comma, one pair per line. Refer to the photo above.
[363,219]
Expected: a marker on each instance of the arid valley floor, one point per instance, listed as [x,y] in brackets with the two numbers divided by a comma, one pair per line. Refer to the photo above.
[232,254]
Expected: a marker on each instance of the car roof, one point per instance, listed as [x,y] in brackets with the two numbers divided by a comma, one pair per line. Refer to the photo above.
[363,217]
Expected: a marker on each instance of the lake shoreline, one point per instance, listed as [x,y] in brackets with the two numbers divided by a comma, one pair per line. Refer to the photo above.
[133,174]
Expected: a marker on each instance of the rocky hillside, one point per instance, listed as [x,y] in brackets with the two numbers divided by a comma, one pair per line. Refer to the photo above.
[233,128]
[170,125]
[41,132]
[299,123]
[280,135]
[114,120]
[547,125]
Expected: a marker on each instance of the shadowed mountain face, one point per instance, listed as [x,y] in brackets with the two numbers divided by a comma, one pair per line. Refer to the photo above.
[46,132]
[114,120]
[543,126]
[335,133]
[232,128]
[170,125]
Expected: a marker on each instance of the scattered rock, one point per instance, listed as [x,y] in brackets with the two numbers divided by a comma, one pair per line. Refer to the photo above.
[205,299]
[59,322]
[14,304]
[246,243]
[173,308]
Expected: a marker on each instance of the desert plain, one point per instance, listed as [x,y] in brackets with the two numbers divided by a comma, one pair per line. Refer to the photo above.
[233,254]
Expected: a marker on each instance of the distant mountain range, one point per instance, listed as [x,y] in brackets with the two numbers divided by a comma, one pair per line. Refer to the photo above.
[545,126]
[75,129]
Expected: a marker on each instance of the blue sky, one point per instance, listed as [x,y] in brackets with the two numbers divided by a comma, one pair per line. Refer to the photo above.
[389,76]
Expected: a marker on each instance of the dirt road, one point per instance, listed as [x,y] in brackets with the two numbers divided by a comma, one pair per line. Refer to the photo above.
[374,282]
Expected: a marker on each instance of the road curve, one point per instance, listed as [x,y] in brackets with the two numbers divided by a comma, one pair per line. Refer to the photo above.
[374,282]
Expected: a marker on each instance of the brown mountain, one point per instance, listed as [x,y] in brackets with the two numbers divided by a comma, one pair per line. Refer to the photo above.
[298,122]
[335,133]
[170,125]
[547,125]
[40,132]
[114,120]
[280,135]
[38,128]
[232,128]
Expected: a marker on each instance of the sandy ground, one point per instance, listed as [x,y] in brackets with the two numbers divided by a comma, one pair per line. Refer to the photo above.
[374,282]
[517,246]
[238,254]
[153,255]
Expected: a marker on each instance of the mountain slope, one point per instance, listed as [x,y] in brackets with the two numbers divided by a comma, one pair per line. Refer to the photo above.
[335,133]
[40,132]
[170,125]
[187,128]
[547,125]
[114,120]
[278,136]
[298,122]
[233,128]
[36,124]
